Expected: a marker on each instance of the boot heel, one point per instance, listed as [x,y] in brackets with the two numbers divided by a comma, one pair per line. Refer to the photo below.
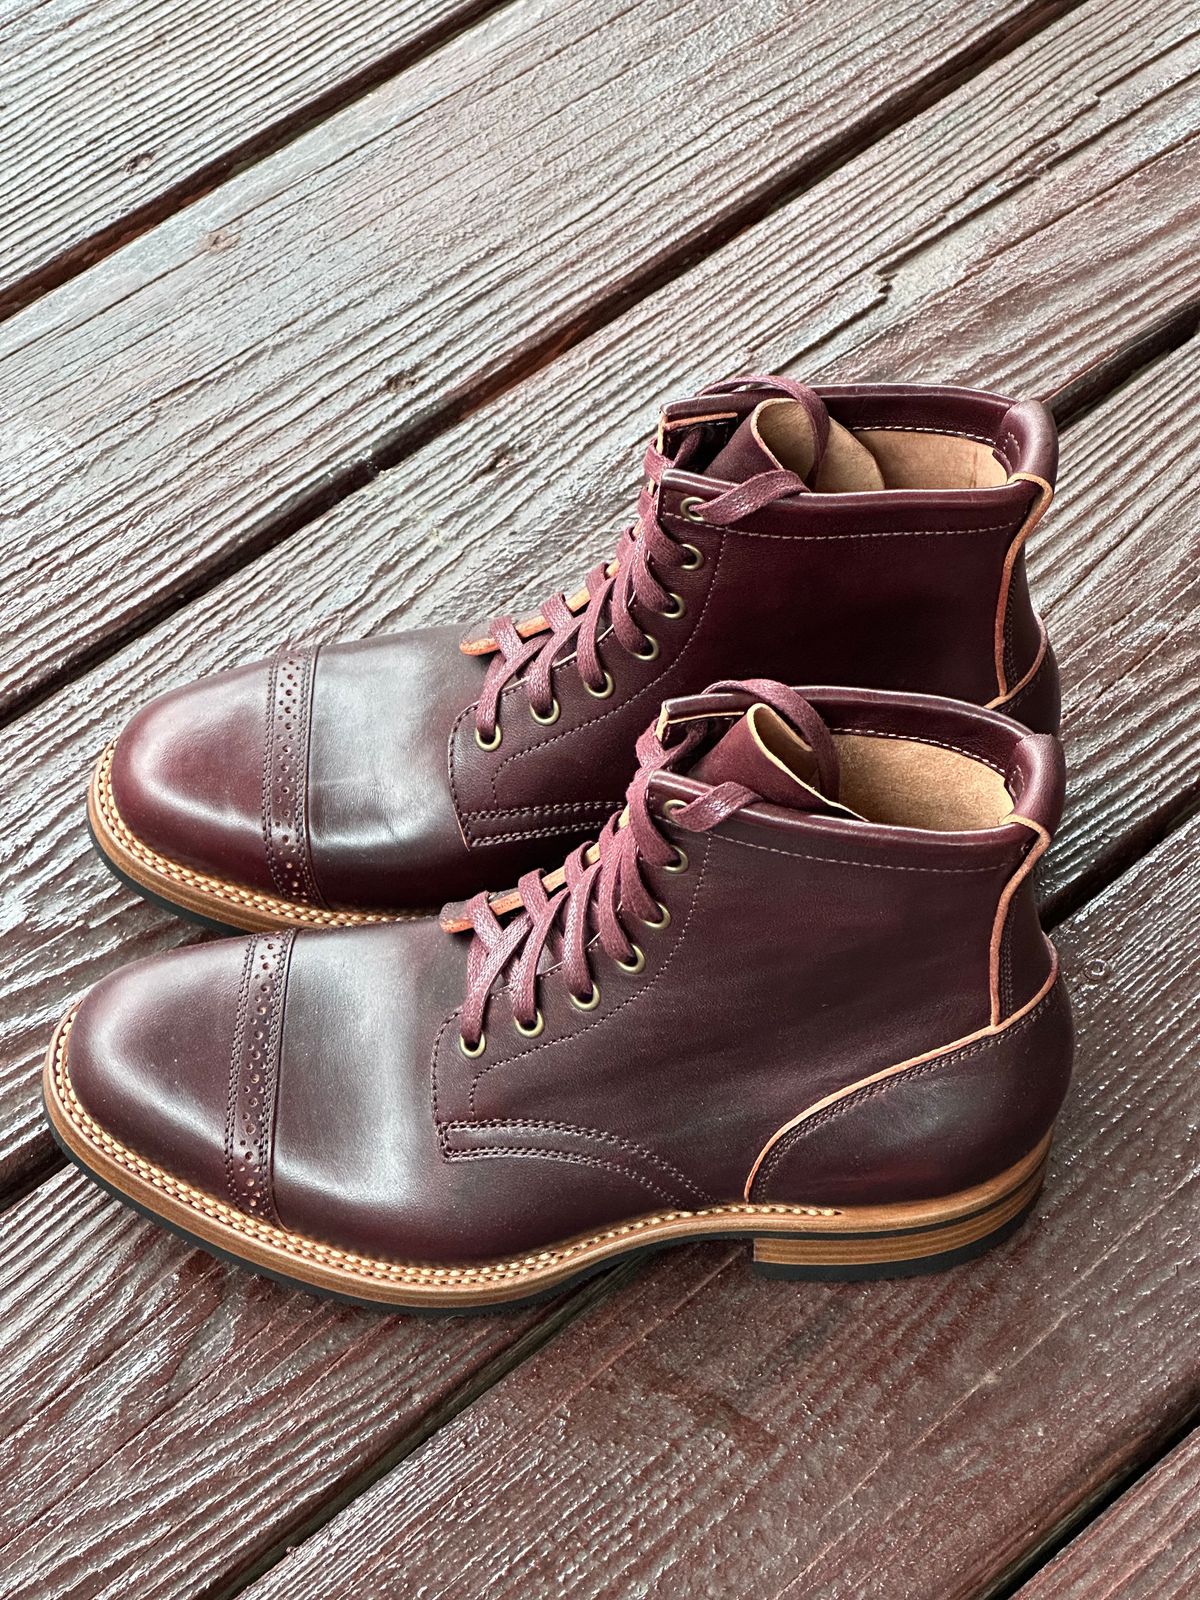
[899,1241]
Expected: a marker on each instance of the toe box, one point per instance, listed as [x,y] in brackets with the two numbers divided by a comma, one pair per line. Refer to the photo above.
[188,772]
[149,1058]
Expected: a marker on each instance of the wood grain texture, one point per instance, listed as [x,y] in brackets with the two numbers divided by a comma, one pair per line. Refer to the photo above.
[905,1441]
[1145,1547]
[113,111]
[199,391]
[1116,572]
[165,1420]
[492,510]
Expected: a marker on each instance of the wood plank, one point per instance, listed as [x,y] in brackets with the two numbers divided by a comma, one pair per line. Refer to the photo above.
[489,510]
[1116,571]
[203,390]
[116,113]
[1145,1547]
[166,1420]
[875,1441]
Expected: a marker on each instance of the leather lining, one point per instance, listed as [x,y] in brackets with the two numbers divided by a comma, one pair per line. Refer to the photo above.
[911,784]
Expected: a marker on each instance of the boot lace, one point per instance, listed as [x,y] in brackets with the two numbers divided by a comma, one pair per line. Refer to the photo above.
[600,891]
[632,579]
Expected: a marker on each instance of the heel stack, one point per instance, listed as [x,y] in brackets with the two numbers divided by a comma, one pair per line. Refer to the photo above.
[902,1240]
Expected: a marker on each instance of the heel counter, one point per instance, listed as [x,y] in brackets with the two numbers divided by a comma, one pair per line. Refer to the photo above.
[1037,699]
[937,1126]
[1026,671]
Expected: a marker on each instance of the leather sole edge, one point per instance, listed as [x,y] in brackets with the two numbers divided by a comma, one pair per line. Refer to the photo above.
[210,899]
[789,1240]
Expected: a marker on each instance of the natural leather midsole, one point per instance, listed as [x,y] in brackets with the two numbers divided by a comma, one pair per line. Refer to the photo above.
[815,1234]
[201,892]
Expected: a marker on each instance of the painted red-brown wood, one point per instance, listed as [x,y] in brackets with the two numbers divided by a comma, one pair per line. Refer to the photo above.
[199,391]
[1145,1547]
[524,494]
[165,1421]
[117,111]
[708,1433]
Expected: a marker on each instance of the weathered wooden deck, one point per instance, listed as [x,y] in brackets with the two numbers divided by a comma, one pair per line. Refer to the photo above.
[336,316]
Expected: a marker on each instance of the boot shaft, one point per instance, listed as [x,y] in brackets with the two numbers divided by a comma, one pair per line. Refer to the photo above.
[905,568]
[808,951]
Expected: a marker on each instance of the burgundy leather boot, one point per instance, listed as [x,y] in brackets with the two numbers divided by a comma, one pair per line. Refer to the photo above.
[869,536]
[797,992]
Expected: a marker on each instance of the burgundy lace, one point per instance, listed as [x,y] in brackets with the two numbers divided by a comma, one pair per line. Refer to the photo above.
[603,891]
[645,552]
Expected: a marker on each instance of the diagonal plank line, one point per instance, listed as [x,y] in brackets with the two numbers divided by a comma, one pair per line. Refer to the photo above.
[391,449]
[267,141]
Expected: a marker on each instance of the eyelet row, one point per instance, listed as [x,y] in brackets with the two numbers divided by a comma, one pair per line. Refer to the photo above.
[678,608]
[631,967]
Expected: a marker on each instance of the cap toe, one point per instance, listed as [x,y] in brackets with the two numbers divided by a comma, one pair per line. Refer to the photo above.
[187,775]
[149,1054]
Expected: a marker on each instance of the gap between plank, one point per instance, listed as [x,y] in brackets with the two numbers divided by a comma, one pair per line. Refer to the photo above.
[1009,1585]
[574,1306]
[394,448]
[267,142]
[1069,405]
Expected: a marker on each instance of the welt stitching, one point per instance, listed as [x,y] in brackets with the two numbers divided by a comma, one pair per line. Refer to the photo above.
[913,738]
[637,994]
[921,1069]
[646,688]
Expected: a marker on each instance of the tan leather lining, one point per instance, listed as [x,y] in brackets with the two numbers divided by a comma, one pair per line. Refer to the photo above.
[915,460]
[907,783]
[785,749]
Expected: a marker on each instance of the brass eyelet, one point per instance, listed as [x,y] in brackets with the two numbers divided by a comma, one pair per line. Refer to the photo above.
[670,807]
[651,653]
[551,716]
[601,694]
[484,744]
[688,504]
[534,1028]
[677,608]
[635,964]
[470,1054]
[695,558]
[662,921]
[592,1001]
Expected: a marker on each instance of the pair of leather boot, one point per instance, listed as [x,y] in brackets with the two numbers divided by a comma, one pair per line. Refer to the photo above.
[787,982]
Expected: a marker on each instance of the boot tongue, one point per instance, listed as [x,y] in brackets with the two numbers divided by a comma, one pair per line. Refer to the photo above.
[798,436]
[766,754]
